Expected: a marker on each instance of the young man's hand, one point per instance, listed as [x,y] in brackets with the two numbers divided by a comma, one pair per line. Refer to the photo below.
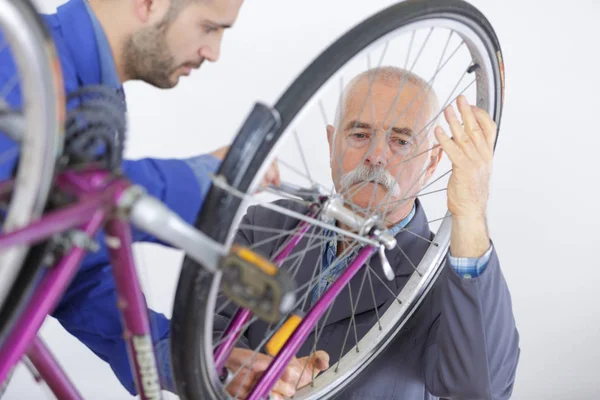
[271,177]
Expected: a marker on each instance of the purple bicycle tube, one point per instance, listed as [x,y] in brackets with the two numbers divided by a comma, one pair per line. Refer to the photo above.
[45,299]
[289,349]
[242,316]
[133,307]
[51,371]
[53,223]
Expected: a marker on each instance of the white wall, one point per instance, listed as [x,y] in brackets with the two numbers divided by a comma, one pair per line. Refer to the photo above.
[543,213]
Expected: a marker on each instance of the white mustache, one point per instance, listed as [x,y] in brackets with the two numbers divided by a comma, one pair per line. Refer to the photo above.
[364,173]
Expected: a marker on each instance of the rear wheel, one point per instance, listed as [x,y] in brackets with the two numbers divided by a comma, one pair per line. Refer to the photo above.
[452,47]
[31,131]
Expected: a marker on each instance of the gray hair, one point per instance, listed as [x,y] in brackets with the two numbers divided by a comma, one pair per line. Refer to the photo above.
[392,76]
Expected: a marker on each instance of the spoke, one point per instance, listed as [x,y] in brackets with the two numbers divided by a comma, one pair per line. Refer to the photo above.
[323,113]
[419,236]
[412,40]
[395,296]
[334,264]
[360,186]
[222,338]
[304,252]
[293,214]
[409,260]
[224,306]
[425,187]
[303,158]
[339,110]
[445,48]
[317,336]
[401,171]
[352,321]
[270,239]
[422,47]
[363,105]
[295,170]
[427,126]
[9,86]
[270,230]
[368,272]
[251,359]
[429,83]
[439,219]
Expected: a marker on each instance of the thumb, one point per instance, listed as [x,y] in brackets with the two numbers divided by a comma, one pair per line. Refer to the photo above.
[320,360]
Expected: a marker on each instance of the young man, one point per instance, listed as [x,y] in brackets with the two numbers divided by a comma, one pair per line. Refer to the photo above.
[110,42]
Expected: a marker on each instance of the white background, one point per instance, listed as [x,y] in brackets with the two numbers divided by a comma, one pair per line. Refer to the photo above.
[543,212]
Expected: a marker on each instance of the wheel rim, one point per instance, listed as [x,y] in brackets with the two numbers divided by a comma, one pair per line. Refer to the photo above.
[43,115]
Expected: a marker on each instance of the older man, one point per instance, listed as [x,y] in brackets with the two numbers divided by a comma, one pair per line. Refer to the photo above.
[462,342]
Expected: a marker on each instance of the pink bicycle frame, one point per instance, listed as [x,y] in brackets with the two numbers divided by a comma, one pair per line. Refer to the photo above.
[99,197]
[100,207]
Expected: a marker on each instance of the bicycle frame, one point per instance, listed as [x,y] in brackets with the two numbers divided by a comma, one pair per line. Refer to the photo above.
[100,197]
[102,200]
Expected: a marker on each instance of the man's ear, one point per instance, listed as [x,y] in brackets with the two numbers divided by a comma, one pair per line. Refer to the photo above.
[434,160]
[145,9]
[330,131]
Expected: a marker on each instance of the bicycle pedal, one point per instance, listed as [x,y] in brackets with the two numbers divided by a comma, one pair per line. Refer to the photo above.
[255,283]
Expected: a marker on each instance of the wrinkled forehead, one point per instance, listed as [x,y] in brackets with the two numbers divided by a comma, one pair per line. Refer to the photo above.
[383,104]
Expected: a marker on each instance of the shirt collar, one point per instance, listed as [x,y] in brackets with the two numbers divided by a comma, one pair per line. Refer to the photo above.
[78,35]
[402,224]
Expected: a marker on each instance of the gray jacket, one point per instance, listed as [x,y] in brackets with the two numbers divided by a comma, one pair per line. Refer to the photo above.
[462,343]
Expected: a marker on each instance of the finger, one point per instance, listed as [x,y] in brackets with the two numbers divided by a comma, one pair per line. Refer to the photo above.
[277,178]
[459,135]
[245,358]
[261,363]
[292,373]
[320,360]
[472,127]
[449,146]
[284,388]
[275,396]
[239,389]
[490,129]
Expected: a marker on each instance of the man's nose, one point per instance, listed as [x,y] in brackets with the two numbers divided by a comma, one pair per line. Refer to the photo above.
[378,152]
[211,51]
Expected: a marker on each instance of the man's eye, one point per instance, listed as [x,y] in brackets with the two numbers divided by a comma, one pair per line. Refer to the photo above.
[401,142]
[359,135]
[209,29]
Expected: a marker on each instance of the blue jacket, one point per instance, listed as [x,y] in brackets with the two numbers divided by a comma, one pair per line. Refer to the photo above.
[88,309]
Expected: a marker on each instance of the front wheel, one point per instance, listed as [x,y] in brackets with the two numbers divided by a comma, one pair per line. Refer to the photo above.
[446,47]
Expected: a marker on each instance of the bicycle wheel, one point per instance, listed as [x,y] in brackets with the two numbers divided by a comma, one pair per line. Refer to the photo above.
[31,122]
[460,43]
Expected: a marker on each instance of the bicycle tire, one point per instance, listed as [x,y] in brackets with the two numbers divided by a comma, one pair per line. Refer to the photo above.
[35,57]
